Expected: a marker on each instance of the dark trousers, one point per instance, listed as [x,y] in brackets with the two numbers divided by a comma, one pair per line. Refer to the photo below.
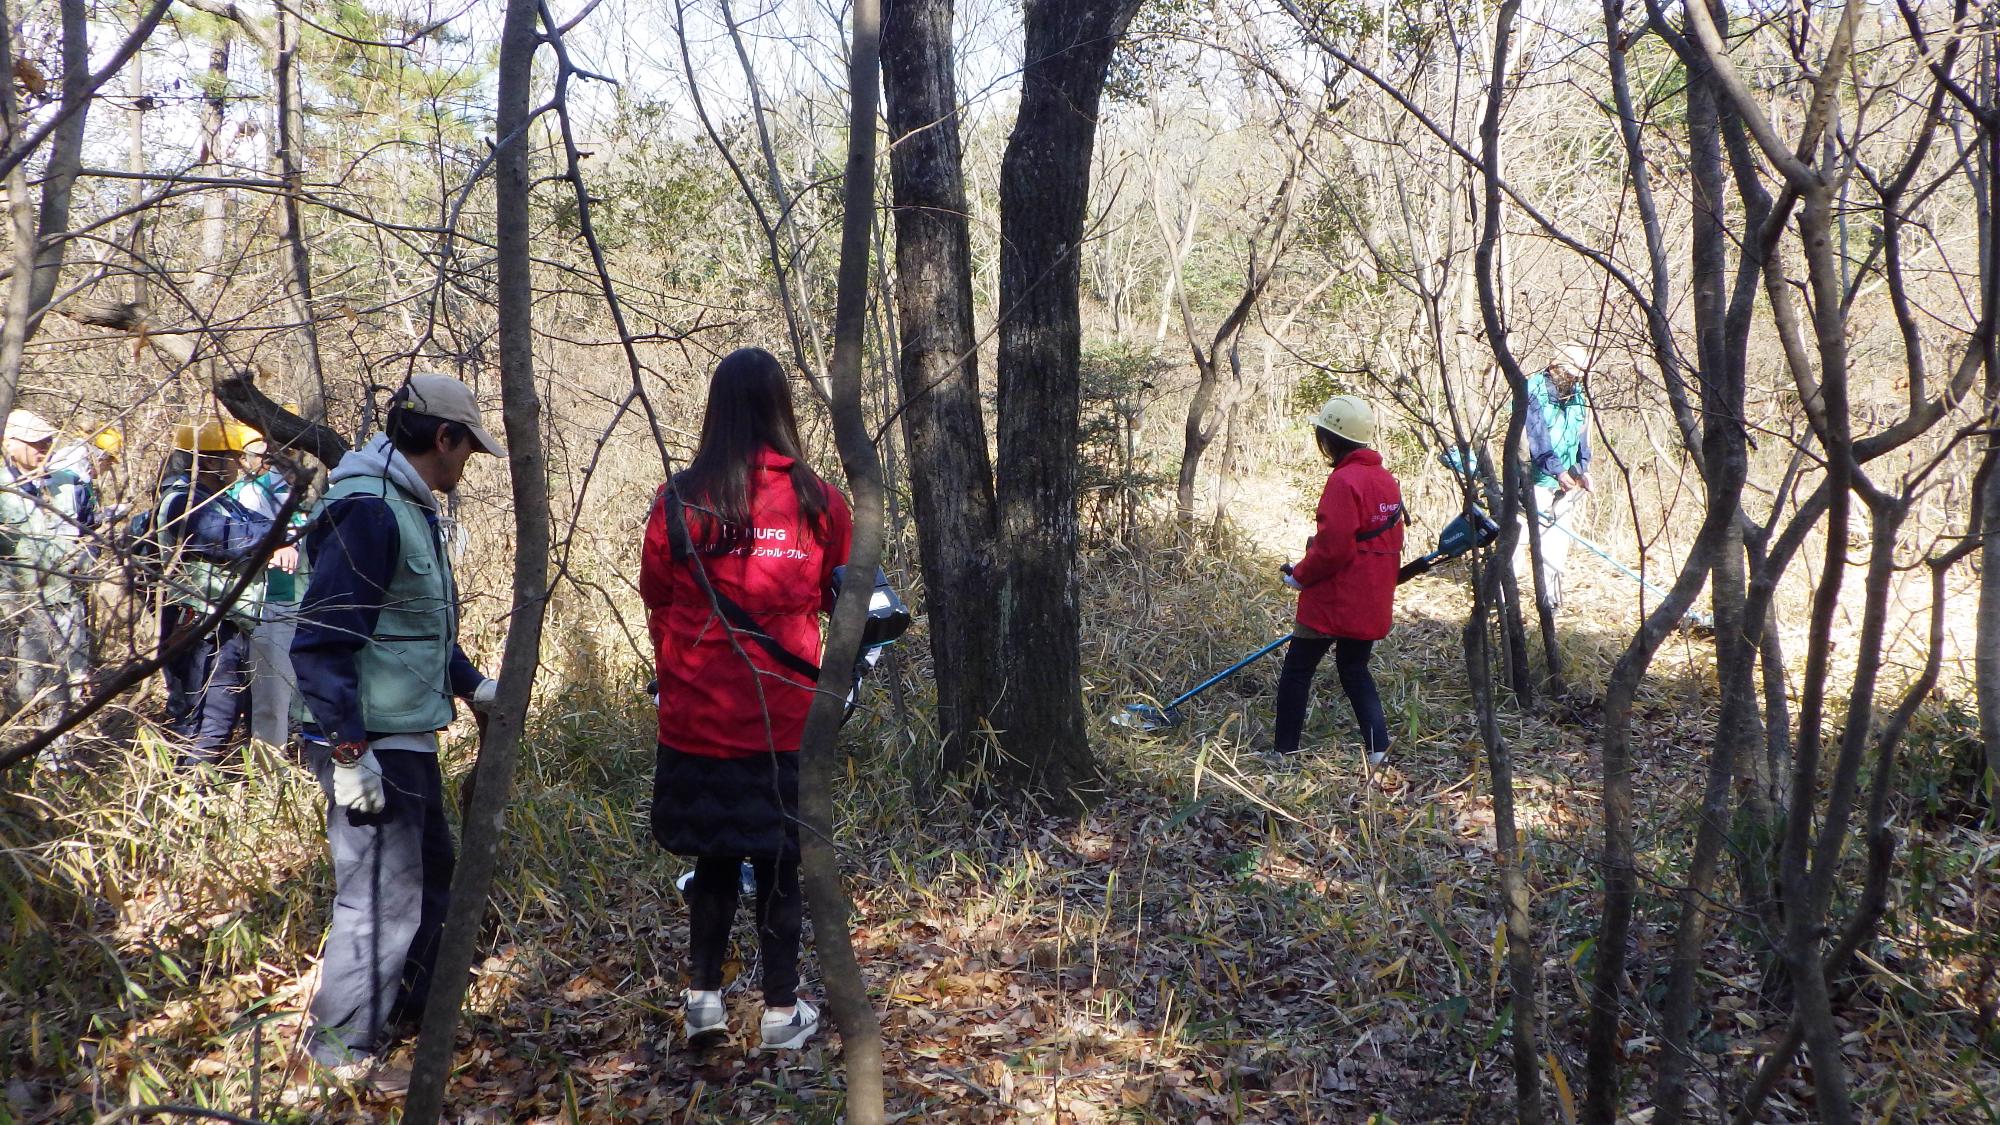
[1350,659]
[212,684]
[181,674]
[392,880]
[711,899]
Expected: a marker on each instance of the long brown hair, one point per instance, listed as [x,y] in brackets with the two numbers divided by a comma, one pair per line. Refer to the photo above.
[749,410]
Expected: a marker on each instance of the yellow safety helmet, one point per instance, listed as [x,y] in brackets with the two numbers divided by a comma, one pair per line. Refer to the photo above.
[212,437]
[1349,417]
[109,441]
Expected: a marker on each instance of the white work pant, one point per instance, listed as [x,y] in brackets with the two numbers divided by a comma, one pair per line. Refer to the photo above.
[1555,542]
[272,684]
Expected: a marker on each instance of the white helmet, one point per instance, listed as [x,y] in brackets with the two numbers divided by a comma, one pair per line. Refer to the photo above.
[1348,417]
[1576,357]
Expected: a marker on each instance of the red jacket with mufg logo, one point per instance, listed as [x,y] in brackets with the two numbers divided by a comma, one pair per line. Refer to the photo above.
[1349,572]
[712,702]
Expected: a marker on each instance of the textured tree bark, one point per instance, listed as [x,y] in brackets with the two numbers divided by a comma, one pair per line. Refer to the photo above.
[1044,185]
[528,469]
[1515,907]
[1800,945]
[951,474]
[215,146]
[1986,642]
[135,162]
[58,180]
[21,224]
[1721,447]
[846,991]
[310,380]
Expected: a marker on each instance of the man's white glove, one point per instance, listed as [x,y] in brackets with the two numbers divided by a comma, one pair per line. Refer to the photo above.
[358,788]
[483,695]
[1286,573]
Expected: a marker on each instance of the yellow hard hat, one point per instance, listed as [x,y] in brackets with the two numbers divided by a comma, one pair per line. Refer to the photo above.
[109,440]
[1349,417]
[212,437]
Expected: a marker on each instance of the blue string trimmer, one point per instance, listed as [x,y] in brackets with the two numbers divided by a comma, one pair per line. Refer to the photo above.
[1471,530]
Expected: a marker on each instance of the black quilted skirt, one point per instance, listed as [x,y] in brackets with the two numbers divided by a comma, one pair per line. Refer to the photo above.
[726,806]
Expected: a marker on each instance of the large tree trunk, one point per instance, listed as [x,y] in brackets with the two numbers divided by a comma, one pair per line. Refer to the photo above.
[310,381]
[1514,904]
[215,145]
[846,991]
[1986,660]
[1720,545]
[528,471]
[951,475]
[65,159]
[1044,185]
[21,229]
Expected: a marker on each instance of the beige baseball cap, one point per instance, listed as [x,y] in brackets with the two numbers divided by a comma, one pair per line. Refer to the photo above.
[28,426]
[442,396]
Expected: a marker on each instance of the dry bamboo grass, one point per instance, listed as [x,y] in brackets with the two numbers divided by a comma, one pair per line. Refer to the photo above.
[1212,942]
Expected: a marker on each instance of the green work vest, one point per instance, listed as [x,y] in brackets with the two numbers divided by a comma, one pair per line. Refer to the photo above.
[405,667]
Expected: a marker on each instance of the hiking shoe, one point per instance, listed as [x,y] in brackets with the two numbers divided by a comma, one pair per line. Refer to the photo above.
[1377,759]
[366,1076]
[707,1019]
[783,1032]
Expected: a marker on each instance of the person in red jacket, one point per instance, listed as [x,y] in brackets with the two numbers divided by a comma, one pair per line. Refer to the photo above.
[1347,580]
[737,566]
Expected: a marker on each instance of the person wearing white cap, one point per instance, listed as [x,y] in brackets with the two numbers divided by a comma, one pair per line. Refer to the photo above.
[1558,432]
[379,664]
[44,644]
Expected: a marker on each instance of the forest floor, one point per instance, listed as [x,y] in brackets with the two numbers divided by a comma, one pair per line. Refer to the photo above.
[1218,940]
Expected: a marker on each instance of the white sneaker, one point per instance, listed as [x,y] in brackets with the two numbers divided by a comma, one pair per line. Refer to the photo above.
[706,1017]
[782,1033]
[1377,758]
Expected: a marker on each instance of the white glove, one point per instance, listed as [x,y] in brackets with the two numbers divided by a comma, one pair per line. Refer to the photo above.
[358,788]
[1290,581]
[483,695]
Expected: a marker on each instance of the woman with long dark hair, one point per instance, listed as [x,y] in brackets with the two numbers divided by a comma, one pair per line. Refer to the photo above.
[738,565]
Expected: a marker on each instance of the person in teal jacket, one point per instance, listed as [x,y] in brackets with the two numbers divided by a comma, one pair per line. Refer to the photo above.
[1558,432]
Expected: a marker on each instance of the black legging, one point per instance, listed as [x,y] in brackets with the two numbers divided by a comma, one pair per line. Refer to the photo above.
[1350,658]
[711,899]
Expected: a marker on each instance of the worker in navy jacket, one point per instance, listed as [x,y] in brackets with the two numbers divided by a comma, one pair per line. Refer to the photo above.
[216,535]
[379,666]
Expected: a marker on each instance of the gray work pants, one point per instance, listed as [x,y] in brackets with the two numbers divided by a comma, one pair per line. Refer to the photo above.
[392,880]
[46,654]
[272,683]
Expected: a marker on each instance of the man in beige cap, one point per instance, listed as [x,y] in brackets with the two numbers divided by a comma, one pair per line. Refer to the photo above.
[42,639]
[379,665]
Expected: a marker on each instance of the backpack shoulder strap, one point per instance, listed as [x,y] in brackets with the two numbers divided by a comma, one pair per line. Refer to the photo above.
[1395,517]
[739,619]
